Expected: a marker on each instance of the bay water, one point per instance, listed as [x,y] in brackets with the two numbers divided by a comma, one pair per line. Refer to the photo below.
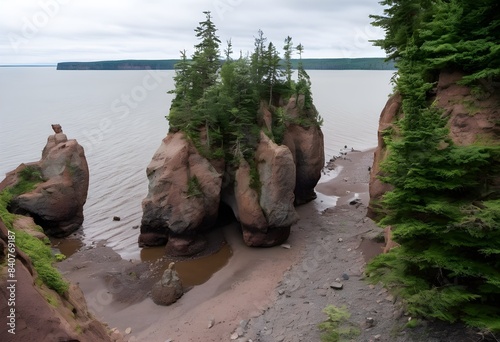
[119,118]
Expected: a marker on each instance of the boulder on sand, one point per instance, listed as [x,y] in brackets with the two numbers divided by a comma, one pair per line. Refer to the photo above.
[168,289]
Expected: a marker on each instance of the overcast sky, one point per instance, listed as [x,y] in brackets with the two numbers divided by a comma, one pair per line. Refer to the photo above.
[51,31]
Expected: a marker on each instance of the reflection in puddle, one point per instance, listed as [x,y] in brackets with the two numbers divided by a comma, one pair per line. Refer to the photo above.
[67,246]
[191,271]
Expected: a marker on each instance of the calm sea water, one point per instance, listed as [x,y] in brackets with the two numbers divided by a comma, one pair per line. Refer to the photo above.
[119,118]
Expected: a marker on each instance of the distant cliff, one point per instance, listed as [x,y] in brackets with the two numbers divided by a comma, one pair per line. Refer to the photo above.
[168,64]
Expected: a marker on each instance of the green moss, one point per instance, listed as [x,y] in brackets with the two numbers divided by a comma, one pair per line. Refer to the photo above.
[39,252]
[7,217]
[42,258]
[51,299]
[337,326]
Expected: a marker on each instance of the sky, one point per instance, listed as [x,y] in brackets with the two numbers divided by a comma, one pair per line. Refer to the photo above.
[51,31]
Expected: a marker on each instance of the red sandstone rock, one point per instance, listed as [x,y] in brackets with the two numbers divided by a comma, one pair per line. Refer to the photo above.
[57,202]
[307,147]
[184,193]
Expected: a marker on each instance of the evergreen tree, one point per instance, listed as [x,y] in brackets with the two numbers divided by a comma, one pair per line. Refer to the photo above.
[259,68]
[444,209]
[206,57]
[288,48]
[229,50]
[272,65]
[180,109]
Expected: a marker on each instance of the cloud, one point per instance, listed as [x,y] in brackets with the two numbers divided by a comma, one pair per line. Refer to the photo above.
[49,31]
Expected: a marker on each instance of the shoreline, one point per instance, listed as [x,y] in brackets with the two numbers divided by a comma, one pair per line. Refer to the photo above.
[244,289]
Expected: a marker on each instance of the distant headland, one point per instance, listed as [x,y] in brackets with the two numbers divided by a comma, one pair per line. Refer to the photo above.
[370,63]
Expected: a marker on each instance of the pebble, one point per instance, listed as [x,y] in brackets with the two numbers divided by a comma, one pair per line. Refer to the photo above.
[337,286]
[281,292]
[286,246]
[211,323]
[340,240]
[377,337]
[390,298]
[234,336]
[345,276]
[116,218]
[128,330]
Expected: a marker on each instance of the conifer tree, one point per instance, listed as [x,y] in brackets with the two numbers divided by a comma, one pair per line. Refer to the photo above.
[206,57]
[288,48]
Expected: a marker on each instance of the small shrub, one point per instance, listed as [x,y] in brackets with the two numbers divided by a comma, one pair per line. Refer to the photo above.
[60,257]
[337,327]
[29,177]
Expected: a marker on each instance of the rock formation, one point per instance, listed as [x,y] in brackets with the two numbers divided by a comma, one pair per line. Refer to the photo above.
[168,289]
[386,122]
[183,197]
[266,213]
[308,150]
[186,189]
[62,180]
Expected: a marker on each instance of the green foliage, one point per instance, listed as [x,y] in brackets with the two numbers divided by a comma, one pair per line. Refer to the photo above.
[255,182]
[337,327]
[444,207]
[221,102]
[194,187]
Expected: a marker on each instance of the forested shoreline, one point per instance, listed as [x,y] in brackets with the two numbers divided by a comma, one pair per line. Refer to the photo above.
[369,63]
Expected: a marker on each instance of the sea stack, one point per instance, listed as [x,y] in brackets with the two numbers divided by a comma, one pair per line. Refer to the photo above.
[54,188]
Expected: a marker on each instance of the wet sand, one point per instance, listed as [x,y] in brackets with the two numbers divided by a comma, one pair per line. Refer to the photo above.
[243,289]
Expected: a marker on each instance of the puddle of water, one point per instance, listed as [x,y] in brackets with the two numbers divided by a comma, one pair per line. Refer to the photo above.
[67,246]
[370,248]
[192,272]
[323,202]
